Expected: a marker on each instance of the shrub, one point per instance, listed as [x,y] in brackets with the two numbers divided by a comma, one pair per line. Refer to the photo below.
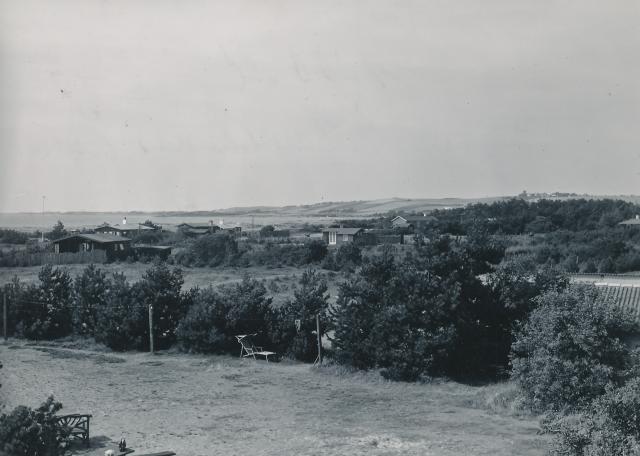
[570,349]
[46,309]
[24,431]
[212,250]
[90,293]
[161,287]
[396,318]
[122,322]
[609,427]
[315,251]
[216,316]
[310,299]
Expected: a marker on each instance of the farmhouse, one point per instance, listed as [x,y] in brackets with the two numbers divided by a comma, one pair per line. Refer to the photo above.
[413,222]
[114,246]
[337,236]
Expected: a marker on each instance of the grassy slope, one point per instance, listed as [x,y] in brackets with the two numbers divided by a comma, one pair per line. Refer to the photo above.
[197,405]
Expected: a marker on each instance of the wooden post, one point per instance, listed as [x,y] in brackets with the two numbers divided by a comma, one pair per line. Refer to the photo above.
[319,338]
[4,316]
[151,328]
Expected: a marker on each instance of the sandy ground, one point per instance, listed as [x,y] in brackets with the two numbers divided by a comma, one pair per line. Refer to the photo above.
[205,405]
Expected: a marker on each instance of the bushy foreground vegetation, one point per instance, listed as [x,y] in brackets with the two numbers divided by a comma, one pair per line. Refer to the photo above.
[33,432]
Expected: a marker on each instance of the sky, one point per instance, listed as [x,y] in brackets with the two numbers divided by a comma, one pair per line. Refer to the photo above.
[205,104]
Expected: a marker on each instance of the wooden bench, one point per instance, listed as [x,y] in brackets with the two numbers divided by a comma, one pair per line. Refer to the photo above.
[76,426]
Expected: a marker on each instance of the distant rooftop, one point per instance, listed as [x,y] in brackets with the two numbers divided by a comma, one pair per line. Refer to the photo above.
[633,221]
[96,237]
[342,230]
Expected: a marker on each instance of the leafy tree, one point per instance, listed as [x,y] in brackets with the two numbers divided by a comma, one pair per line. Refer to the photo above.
[58,231]
[570,349]
[267,231]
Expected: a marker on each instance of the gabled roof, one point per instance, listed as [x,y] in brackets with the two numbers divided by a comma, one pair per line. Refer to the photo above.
[197,225]
[119,227]
[351,231]
[97,237]
[633,221]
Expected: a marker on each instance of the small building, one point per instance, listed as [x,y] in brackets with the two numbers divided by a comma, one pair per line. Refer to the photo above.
[413,222]
[116,247]
[122,230]
[337,236]
[198,229]
[631,222]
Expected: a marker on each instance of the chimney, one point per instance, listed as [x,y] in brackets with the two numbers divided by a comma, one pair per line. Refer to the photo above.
[124,221]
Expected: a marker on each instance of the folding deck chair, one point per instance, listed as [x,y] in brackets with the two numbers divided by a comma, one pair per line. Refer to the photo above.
[248,349]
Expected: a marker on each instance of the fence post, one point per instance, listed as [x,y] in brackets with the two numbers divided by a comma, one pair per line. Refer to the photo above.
[4,316]
[151,328]
[319,338]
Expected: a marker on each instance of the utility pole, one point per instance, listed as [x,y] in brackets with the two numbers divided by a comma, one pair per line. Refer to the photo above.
[4,316]
[319,339]
[151,328]
[43,198]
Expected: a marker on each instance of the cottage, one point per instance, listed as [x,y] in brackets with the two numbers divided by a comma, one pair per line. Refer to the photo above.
[114,246]
[413,222]
[337,236]
[122,230]
[198,229]
[631,222]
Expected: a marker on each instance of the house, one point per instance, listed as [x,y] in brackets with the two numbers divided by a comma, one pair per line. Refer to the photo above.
[198,229]
[116,247]
[337,236]
[122,230]
[631,222]
[413,222]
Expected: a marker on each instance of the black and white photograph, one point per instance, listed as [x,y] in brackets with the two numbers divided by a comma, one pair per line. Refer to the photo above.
[319,227]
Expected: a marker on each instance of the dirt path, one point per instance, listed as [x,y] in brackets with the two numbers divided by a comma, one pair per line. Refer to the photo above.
[197,405]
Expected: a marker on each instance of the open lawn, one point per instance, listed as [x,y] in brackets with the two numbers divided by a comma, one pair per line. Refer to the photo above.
[204,405]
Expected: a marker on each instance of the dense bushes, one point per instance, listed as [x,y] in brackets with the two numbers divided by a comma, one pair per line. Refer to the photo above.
[310,299]
[13,237]
[570,349]
[610,425]
[46,309]
[216,316]
[25,431]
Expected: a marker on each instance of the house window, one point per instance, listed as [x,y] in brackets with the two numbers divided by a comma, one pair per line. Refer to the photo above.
[345,238]
[332,237]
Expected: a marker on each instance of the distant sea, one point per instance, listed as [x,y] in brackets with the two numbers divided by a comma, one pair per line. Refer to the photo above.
[79,220]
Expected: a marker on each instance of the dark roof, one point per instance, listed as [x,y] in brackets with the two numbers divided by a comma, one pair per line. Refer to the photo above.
[119,227]
[97,237]
[351,231]
[198,225]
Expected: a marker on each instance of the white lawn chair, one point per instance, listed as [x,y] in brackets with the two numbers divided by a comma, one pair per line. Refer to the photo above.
[248,349]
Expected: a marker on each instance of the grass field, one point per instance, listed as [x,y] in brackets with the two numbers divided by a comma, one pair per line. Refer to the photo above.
[204,405]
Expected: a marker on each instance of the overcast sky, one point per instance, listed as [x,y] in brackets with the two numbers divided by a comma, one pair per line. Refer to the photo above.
[174,104]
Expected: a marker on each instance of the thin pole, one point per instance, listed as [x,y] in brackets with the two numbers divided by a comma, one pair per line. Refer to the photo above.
[4,316]
[319,338]
[151,328]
